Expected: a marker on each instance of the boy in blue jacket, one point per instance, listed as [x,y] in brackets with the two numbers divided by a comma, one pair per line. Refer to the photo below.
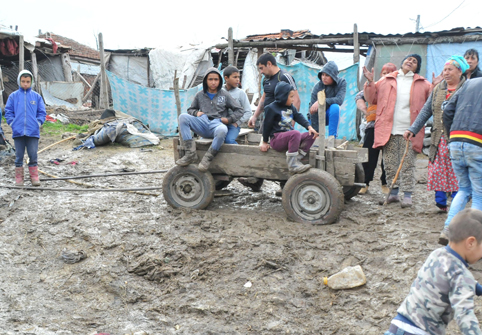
[25,113]
[278,129]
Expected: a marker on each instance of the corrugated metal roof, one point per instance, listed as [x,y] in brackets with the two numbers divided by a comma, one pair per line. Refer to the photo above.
[306,34]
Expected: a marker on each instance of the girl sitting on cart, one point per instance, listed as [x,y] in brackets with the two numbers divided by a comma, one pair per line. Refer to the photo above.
[279,131]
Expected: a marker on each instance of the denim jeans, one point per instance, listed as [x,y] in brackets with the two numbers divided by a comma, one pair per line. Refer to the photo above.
[332,118]
[204,127]
[22,142]
[467,163]
[233,132]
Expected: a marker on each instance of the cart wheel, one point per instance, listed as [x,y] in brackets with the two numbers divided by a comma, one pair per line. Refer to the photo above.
[313,197]
[220,184]
[351,191]
[188,187]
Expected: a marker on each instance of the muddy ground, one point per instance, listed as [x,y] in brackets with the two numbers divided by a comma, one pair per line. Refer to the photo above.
[151,269]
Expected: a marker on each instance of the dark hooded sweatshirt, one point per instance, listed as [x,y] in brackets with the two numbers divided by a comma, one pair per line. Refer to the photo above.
[219,105]
[335,93]
[278,116]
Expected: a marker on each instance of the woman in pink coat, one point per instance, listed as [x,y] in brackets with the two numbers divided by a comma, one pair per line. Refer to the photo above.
[399,97]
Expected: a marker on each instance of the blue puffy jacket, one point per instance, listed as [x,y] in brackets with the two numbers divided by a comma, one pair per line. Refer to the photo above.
[25,111]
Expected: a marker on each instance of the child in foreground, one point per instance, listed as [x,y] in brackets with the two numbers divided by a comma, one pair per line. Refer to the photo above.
[444,288]
[25,113]
[278,129]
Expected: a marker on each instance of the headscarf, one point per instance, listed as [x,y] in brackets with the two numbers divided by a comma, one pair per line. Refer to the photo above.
[459,62]
[419,61]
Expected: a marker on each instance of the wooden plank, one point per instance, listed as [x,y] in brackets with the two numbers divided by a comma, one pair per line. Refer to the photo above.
[230,47]
[104,94]
[321,122]
[287,43]
[175,148]
[329,164]
[362,154]
[21,53]
[254,164]
[345,154]
[33,57]
[81,77]
[254,138]
[356,45]
[345,171]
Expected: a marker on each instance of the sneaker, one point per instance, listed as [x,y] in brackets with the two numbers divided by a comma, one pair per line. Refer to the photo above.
[440,210]
[406,202]
[385,189]
[391,198]
[443,239]
[363,190]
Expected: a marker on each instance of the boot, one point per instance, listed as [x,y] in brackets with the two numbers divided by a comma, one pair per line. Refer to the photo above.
[294,164]
[190,155]
[363,190]
[443,239]
[207,159]
[33,170]
[385,189]
[19,176]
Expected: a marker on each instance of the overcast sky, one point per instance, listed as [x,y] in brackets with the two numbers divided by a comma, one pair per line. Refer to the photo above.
[141,23]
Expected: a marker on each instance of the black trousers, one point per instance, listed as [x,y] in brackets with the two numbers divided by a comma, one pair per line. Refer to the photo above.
[370,166]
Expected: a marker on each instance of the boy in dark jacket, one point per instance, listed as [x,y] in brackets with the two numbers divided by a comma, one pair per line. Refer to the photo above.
[25,113]
[208,117]
[279,130]
[335,89]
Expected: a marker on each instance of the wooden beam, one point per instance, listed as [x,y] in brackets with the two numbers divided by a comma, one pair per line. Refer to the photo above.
[356,46]
[104,93]
[321,125]
[21,53]
[284,43]
[424,40]
[83,79]
[230,47]
[33,57]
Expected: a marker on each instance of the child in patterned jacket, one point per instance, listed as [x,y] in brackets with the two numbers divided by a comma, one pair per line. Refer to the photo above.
[444,288]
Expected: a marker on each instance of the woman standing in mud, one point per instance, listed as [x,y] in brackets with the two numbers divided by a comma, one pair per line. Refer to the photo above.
[399,98]
[441,176]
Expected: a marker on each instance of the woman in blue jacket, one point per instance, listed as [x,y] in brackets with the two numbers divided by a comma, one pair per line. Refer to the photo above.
[25,113]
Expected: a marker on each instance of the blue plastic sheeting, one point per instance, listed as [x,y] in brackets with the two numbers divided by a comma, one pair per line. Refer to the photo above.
[152,106]
[306,77]
[437,55]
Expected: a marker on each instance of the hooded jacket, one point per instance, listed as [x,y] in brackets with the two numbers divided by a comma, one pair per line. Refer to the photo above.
[278,116]
[383,93]
[25,110]
[217,107]
[335,93]
[463,113]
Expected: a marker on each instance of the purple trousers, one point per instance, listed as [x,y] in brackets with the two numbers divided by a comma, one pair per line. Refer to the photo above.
[292,141]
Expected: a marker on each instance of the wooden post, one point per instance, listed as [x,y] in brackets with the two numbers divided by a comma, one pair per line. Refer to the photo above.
[260,76]
[178,107]
[356,45]
[83,79]
[184,82]
[230,47]
[1,89]
[236,59]
[66,67]
[104,94]
[321,125]
[33,57]
[21,53]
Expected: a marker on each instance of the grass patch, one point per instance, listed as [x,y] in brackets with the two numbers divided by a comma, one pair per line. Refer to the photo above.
[58,128]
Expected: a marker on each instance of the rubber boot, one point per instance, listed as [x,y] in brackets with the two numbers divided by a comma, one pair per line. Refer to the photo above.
[33,170]
[207,159]
[190,155]
[19,176]
[294,164]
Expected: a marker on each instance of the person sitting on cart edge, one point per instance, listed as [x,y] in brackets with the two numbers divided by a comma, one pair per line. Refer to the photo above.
[335,90]
[278,128]
[231,79]
[208,117]
[445,288]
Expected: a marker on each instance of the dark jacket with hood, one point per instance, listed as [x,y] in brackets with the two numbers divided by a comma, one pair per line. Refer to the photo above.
[278,116]
[335,94]
[476,74]
[217,107]
[25,110]
[463,113]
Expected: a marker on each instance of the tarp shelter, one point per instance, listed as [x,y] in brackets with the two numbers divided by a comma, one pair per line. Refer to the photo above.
[131,65]
[152,106]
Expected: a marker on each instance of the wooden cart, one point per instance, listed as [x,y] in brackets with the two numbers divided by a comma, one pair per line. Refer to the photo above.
[316,196]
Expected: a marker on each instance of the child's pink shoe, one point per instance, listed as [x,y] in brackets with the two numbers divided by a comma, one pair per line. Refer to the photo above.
[33,170]
[19,176]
